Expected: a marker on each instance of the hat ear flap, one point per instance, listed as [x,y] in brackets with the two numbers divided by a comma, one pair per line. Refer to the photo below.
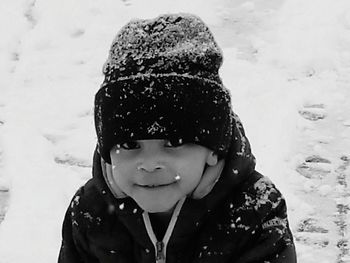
[110,180]
[212,159]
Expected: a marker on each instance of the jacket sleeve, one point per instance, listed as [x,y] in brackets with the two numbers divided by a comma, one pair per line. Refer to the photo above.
[74,247]
[275,241]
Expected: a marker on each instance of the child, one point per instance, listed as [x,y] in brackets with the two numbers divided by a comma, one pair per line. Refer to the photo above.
[174,178]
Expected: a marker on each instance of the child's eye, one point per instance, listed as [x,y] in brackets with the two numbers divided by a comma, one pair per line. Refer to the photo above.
[130,145]
[174,143]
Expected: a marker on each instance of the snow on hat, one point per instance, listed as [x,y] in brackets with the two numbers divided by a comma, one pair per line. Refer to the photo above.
[162,82]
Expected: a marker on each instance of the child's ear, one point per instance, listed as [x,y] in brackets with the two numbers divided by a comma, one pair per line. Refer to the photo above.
[212,159]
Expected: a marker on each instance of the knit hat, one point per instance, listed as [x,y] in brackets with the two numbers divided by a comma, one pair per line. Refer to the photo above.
[162,82]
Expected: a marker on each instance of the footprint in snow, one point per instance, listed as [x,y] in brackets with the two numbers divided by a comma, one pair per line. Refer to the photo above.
[2,122]
[310,225]
[4,196]
[54,138]
[77,33]
[315,167]
[126,2]
[72,161]
[65,158]
[313,241]
[346,123]
[313,112]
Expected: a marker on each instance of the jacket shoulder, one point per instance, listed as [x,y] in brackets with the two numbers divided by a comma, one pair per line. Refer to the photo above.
[262,195]
[87,207]
[273,241]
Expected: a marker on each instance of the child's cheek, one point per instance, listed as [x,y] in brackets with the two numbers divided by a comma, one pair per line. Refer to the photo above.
[190,177]
[120,177]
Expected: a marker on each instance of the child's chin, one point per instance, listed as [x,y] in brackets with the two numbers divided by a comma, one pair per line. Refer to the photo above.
[156,208]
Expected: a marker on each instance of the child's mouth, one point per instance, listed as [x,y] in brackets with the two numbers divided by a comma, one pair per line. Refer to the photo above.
[155,185]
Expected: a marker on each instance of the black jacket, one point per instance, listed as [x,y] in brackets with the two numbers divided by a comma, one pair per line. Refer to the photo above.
[242,220]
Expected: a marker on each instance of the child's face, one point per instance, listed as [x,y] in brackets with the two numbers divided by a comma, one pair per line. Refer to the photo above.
[158,173]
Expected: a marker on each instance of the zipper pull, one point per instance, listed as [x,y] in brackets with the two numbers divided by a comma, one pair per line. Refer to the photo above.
[160,257]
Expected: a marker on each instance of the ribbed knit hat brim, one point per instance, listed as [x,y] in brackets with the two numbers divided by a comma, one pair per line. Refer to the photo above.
[172,107]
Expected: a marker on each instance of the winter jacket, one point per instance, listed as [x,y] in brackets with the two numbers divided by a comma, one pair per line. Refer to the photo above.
[242,220]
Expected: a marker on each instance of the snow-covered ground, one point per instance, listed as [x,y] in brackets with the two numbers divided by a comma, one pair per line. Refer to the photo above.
[287,64]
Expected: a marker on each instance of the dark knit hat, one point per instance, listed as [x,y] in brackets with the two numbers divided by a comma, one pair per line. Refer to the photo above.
[162,82]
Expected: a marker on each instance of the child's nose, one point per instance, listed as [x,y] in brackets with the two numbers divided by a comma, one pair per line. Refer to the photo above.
[151,163]
[152,157]
[148,165]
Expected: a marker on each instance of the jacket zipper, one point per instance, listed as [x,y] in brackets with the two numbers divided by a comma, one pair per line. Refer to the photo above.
[160,257]
[160,246]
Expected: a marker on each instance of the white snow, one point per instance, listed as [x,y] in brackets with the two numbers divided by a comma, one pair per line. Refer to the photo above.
[280,58]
